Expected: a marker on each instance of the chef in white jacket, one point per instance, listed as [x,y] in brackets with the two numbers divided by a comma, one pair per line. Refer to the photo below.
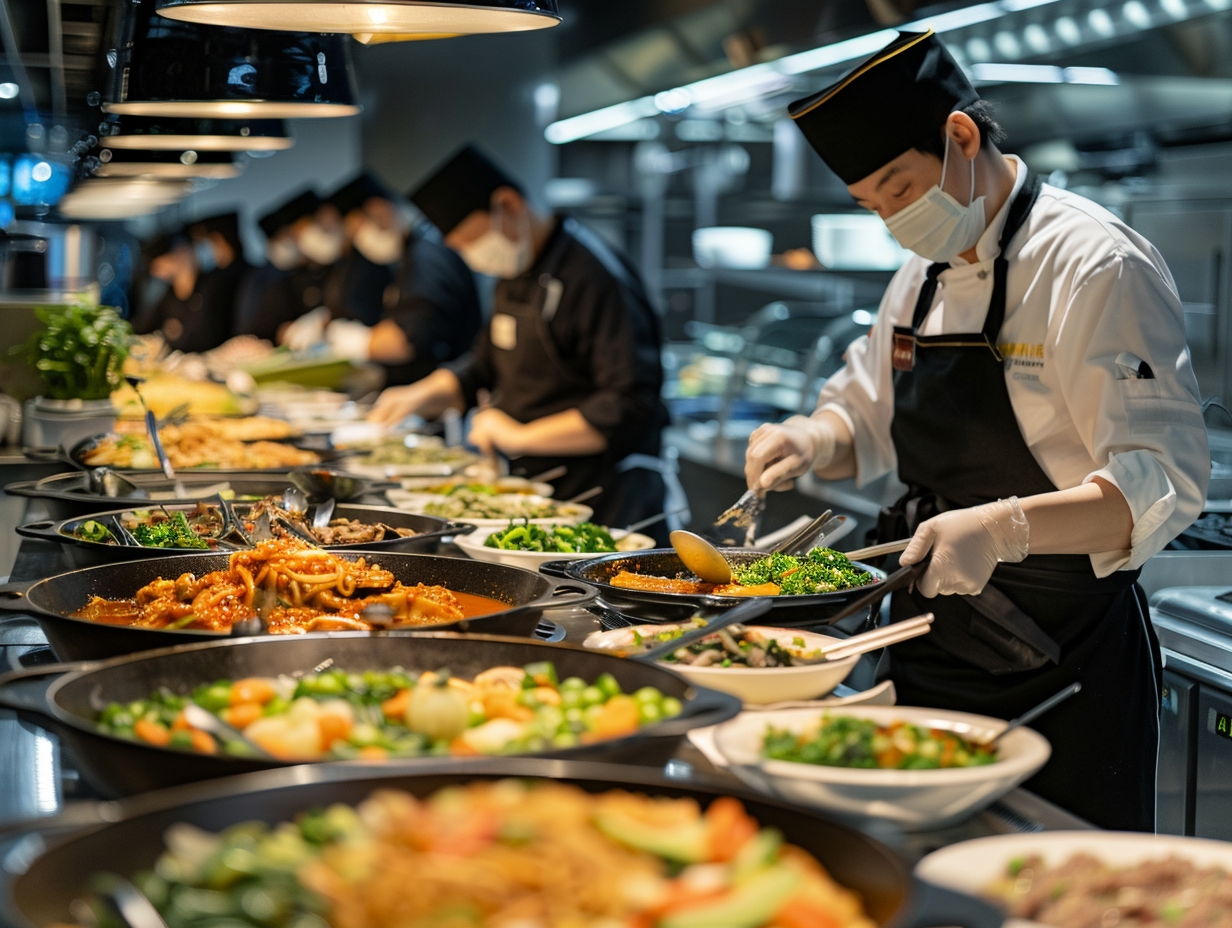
[1028,379]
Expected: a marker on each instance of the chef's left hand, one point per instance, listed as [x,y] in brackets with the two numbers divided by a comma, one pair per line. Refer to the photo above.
[967,545]
[493,430]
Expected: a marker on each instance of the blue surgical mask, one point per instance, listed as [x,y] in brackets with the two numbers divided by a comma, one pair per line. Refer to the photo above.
[206,259]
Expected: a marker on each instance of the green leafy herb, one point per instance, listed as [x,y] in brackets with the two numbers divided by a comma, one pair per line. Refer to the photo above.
[90,530]
[822,570]
[81,352]
[173,533]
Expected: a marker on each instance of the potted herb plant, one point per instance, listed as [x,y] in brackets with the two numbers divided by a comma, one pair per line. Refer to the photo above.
[79,356]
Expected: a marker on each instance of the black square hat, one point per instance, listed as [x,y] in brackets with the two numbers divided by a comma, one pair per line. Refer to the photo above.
[355,193]
[886,105]
[302,204]
[463,184]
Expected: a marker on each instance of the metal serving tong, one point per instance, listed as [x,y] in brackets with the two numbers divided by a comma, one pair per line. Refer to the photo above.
[151,426]
[745,513]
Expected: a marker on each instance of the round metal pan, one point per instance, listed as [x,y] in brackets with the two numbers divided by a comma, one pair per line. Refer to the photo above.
[76,454]
[66,496]
[130,838]
[81,553]
[68,698]
[52,601]
[788,611]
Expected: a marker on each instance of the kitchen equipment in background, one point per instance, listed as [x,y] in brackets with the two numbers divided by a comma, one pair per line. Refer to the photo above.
[855,242]
[169,133]
[385,21]
[732,246]
[169,68]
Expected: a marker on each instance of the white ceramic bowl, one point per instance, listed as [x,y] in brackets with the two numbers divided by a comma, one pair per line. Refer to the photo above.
[473,545]
[732,246]
[910,798]
[564,513]
[756,686]
[855,242]
[970,866]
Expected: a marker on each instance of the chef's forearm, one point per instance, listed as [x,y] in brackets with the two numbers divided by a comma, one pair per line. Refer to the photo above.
[565,432]
[843,465]
[1086,519]
[437,392]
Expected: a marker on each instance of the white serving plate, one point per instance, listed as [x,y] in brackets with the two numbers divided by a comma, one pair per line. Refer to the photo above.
[473,545]
[970,866]
[566,513]
[755,686]
[913,799]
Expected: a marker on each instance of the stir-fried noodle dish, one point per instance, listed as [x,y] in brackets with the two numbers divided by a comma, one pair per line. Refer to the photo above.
[296,588]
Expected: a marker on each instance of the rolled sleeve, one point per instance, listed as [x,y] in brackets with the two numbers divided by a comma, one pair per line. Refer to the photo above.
[1147,432]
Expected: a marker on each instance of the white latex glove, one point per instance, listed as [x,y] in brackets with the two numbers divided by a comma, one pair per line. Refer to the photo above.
[967,545]
[349,339]
[780,453]
[307,330]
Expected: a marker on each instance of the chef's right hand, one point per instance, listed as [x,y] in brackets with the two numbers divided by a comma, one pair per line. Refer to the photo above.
[307,330]
[778,454]
[396,403]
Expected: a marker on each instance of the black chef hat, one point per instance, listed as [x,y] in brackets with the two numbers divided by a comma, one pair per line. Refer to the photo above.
[157,246]
[353,195]
[885,106]
[462,185]
[225,224]
[300,205]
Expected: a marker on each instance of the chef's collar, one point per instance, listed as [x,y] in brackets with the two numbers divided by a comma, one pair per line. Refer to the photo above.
[989,245]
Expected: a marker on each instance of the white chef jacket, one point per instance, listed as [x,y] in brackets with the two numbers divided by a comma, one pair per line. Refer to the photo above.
[1082,287]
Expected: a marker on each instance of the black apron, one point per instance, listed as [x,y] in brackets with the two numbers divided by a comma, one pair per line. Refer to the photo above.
[1040,624]
[534,380]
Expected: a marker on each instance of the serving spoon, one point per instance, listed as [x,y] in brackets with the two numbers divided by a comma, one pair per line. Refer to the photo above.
[1030,715]
[701,557]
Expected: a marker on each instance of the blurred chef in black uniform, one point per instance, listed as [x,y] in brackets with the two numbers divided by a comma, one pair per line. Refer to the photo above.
[570,359]
[318,284]
[269,299]
[202,269]
[408,303]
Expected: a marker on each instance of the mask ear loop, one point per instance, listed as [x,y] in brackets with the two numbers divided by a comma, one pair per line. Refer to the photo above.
[945,161]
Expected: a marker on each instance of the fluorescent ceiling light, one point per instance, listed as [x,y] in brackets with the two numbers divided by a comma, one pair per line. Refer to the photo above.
[1041,74]
[8,90]
[402,19]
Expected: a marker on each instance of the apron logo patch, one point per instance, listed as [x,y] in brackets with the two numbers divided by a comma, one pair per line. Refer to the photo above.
[504,331]
[904,352]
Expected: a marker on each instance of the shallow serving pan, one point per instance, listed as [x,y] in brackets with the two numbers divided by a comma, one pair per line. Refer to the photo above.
[82,553]
[52,601]
[129,838]
[68,698]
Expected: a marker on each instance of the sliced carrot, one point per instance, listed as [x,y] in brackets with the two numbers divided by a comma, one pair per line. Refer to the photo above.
[503,704]
[728,828]
[799,912]
[547,695]
[202,742]
[373,752]
[333,728]
[242,715]
[180,723]
[460,747]
[252,689]
[152,733]
[619,716]
[395,707]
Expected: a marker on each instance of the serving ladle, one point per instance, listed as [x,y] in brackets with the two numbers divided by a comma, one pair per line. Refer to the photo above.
[701,557]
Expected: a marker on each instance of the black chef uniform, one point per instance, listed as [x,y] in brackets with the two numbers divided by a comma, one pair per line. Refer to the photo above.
[206,318]
[1040,624]
[576,331]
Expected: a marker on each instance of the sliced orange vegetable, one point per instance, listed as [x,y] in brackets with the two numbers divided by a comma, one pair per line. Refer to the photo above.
[547,695]
[373,752]
[799,912]
[728,827]
[203,742]
[459,747]
[395,706]
[242,715]
[152,733]
[181,723]
[619,716]
[253,689]
[333,728]
[503,704]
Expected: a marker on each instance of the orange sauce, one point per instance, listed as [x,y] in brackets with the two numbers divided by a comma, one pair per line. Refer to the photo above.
[474,605]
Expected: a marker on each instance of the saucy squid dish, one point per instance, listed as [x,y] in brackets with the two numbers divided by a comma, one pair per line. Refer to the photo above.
[497,855]
[296,588]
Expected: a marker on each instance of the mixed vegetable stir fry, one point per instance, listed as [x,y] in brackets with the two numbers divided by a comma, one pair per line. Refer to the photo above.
[336,715]
[585,537]
[463,503]
[845,741]
[822,570]
[735,646]
[496,855]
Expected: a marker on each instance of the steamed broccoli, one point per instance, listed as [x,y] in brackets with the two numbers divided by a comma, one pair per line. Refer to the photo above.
[174,533]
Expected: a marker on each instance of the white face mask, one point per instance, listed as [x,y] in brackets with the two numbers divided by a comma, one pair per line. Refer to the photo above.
[320,246]
[380,246]
[497,256]
[284,254]
[936,226]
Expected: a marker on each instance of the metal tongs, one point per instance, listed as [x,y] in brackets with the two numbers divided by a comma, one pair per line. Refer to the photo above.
[746,513]
[151,426]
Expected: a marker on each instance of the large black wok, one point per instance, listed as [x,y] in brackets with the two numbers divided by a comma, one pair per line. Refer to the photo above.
[133,838]
[69,702]
[81,553]
[67,496]
[52,601]
[788,611]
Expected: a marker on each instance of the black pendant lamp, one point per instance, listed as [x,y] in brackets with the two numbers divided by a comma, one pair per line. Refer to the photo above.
[211,165]
[170,133]
[370,20]
[121,198]
[169,68]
